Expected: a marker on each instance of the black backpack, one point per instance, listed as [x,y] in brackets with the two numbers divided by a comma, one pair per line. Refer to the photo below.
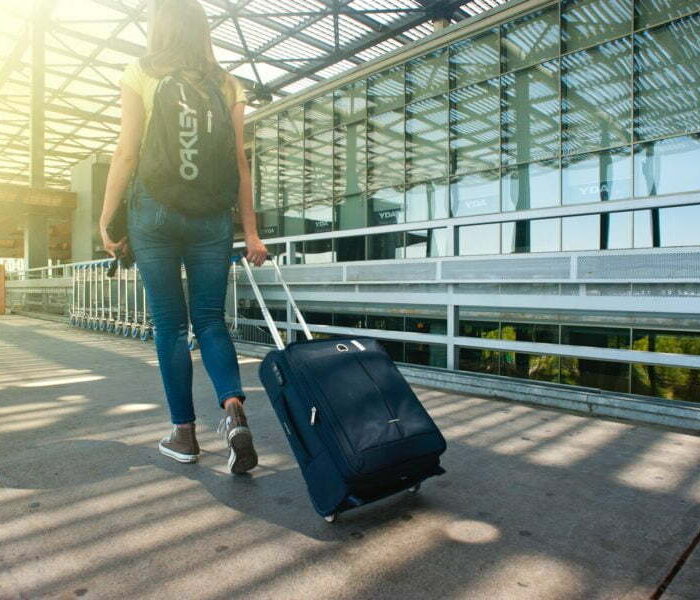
[188,161]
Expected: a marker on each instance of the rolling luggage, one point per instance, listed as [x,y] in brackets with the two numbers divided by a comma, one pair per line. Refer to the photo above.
[355,426]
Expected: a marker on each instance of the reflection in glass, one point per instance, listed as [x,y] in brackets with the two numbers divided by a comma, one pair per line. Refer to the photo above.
[427,75]
[672,383]
[475,194]
[530,186]
[291,124]
[293,220]
[679,226]
[318,251]
[474,127]
[474,59]
[350,159]
[480,239]
[394,349]
[351,212]
[595,374]
[318,114]
[266,170]
[426,139]
[266,134]
[483,329]
[350,248]
[385,323]
[386,206]
[530,332]
[385,90]
[650,12]
[427,201]
[478,361]
[318,216]
[597,97]
[540,235]
[588,22]
[597,177]
[351,102]
[598,337]
[643,227]
[667,98]
[530,366]
[616,231]
[426,243]
[431,355]
[385,246]
[667,166]
[385,149]
[530,114]
[291,175]
[269,225]
[580,233]
[318,161]
[530,39]
[672,342]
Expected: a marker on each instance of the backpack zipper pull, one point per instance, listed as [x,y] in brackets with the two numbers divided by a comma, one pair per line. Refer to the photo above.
[209,116]
[313,415]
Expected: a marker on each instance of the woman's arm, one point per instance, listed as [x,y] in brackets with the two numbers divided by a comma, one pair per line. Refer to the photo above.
[257,253]
[124,161]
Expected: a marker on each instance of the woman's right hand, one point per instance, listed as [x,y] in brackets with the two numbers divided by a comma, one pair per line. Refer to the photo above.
[257,252]
[112,248]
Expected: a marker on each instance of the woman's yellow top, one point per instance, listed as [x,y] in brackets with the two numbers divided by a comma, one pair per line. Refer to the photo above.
[145,86]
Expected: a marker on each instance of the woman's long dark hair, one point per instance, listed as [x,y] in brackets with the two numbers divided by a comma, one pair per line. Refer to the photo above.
[181,41]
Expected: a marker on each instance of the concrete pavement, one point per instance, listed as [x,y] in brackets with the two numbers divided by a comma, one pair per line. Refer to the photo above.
[535,505]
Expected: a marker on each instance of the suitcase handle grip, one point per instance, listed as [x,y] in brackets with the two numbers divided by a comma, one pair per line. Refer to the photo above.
[295,440]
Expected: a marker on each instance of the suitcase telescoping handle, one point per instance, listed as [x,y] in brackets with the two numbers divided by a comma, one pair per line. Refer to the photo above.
[263,307]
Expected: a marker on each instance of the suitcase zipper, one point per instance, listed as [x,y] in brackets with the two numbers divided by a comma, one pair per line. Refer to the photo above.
[209,117]
[313,415]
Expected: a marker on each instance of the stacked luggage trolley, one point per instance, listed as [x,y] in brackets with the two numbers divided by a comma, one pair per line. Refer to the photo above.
[114,305]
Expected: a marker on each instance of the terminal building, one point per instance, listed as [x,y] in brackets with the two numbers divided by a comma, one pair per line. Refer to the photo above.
[511,204]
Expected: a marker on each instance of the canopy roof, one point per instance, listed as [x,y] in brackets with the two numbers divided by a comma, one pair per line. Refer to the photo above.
[275,47]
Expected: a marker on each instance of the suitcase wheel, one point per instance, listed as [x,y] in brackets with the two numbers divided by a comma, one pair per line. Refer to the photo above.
[331,518]
[414,489]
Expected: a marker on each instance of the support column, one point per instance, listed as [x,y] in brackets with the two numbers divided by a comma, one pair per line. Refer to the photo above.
[36,241]
[3,306]
[88,181]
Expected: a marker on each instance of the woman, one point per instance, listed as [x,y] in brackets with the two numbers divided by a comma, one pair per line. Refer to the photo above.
[162,238]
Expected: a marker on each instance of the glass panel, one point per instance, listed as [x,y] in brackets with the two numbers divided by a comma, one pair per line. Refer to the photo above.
[350,159]
[616,231]
[386,207]
[679,226]
[431,355]
[597,177]
[589,22]
[394,349]
[351,212]
[530,39]
[317,318]
[643,228]
[385,91]
[318,160]
[667,166]
[479,361]
[596,374]
[474,127]
[385,246]
[580,233]
[427,75]
[597,97]
[650,12]
[349,320]
[426,325]
[427,201]
[667,98]
[530,366]
[479,239]
[673,342]
[474,59]
[385,150]
[266,134]
[426,243]
[530,117]
[318,114]
[293,220]
[541,235]
[483,329]
[385,323]
[319,216]
[318,251]
[530,332]
[350,248]
[291,124]
[598,337]
[291,175]
[269,225]
[530,186]
[426,139]
[475,194]
[266,171]
[672,383]
[351,102]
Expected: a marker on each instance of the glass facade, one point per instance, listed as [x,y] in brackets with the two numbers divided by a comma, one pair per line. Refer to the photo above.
[584,102]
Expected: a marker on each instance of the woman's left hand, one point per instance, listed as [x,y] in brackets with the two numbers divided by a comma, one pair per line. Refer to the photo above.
[257,252]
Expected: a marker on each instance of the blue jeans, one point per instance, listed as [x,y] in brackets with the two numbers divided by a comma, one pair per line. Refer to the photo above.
[162,241]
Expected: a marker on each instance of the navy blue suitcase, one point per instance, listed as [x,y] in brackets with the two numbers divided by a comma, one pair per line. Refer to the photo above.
[354,424]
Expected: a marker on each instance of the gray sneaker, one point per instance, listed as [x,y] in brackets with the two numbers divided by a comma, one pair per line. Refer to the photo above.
[234,429]
[181,445]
